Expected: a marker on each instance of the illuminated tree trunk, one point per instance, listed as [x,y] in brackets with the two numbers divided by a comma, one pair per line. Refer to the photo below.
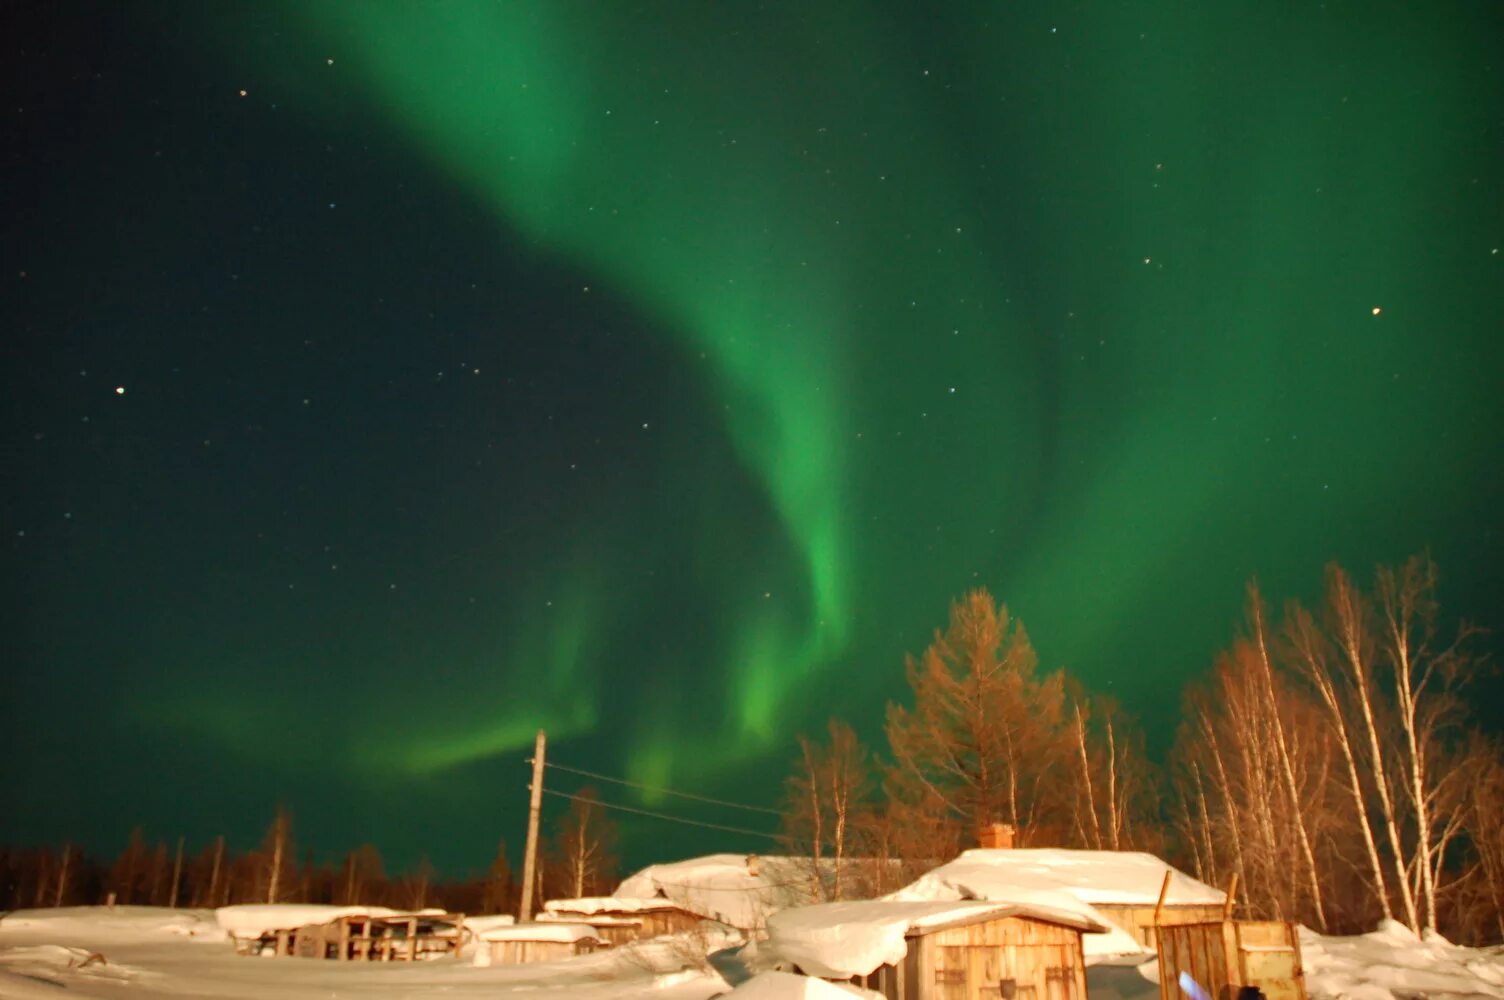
[1287,770]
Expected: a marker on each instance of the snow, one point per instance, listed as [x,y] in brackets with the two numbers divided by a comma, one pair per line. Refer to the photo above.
[607,904]
[788,986]
[480,924]
[553,931]
[1391,963]
[160,954]
[250,921]
[1123,878]
[1057,878]
[724,887]
[841,940]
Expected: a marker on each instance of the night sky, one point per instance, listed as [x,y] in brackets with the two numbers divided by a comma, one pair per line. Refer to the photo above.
[385,381]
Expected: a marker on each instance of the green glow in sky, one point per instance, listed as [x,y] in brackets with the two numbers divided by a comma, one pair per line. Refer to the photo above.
[656,373]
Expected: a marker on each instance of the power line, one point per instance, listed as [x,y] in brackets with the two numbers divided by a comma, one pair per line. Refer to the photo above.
[661,791]
[658,815]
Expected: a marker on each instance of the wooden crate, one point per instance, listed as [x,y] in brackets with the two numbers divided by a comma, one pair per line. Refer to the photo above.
[1224,955]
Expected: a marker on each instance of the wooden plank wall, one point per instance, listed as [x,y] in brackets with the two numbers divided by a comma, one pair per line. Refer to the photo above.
[1225,955]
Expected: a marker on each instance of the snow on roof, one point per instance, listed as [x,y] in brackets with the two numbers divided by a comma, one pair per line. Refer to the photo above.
[841,940]
[607,904]
[724,887]
[788,986]
[481,924]
[255,919]
[550,931]
[1121,878]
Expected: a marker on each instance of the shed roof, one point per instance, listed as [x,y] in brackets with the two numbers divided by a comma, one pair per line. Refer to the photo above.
[1101,878]
[609,904]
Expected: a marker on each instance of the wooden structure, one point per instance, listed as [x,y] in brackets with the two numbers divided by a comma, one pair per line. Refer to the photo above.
[1225,955]
[1139,920]
[402,937]
[545,941]
[953,951]
[621,921]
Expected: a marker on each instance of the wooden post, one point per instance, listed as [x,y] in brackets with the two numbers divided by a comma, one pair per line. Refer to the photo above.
[1232,895]
[177,877]
[62,876]
[1164,890]
[530,855]
[412,939]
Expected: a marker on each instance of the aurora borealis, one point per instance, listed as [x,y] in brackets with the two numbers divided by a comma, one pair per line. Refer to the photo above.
[656,373]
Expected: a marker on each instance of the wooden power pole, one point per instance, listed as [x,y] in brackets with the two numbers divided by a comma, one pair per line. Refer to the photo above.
[530,855]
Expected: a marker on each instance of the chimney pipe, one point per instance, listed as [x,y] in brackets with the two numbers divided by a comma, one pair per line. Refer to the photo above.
[996,836]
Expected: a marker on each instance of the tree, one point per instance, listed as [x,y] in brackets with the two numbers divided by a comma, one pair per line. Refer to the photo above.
[364,873]
[128,874]
[1112,807]
[825,798]
[584,843]
[986,736]
[277,852]
[500,885]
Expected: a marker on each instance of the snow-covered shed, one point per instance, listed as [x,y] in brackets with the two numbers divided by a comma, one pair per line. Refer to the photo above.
[392,937]
[1123,886]
[940,949]
[535,942]
[619,921]
[739,890]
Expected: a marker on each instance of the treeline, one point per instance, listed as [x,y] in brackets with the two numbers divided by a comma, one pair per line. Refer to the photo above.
[578,859]
[1329,760]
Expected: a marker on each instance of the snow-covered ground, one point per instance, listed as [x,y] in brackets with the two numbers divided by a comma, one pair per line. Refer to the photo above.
[147,953]
[154,954]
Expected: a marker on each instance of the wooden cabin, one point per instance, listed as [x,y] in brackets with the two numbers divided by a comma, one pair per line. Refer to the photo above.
[401,937]
[536,942]
[1226,955]
[1122,886]
[620,921]
[948,950]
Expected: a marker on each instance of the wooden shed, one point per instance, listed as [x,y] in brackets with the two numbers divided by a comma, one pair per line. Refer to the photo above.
[1225,955]
[399,937]
[620,921]
[535,942]
[1122,886]
[939,951]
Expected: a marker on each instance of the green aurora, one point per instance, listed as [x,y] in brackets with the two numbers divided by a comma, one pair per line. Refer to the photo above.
[1106,309]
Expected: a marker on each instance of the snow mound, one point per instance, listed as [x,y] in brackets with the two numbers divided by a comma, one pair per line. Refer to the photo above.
[739,890]
[787,986]
[1392,963]
[118,922]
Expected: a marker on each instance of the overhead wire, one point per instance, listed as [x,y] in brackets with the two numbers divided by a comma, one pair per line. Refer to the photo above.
[661,791]
[657,815]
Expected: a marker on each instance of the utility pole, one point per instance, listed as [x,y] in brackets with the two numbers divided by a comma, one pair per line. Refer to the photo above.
[530,855]
[177,876]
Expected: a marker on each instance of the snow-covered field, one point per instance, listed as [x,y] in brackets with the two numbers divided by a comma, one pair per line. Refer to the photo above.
[142,953]
[151,953]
